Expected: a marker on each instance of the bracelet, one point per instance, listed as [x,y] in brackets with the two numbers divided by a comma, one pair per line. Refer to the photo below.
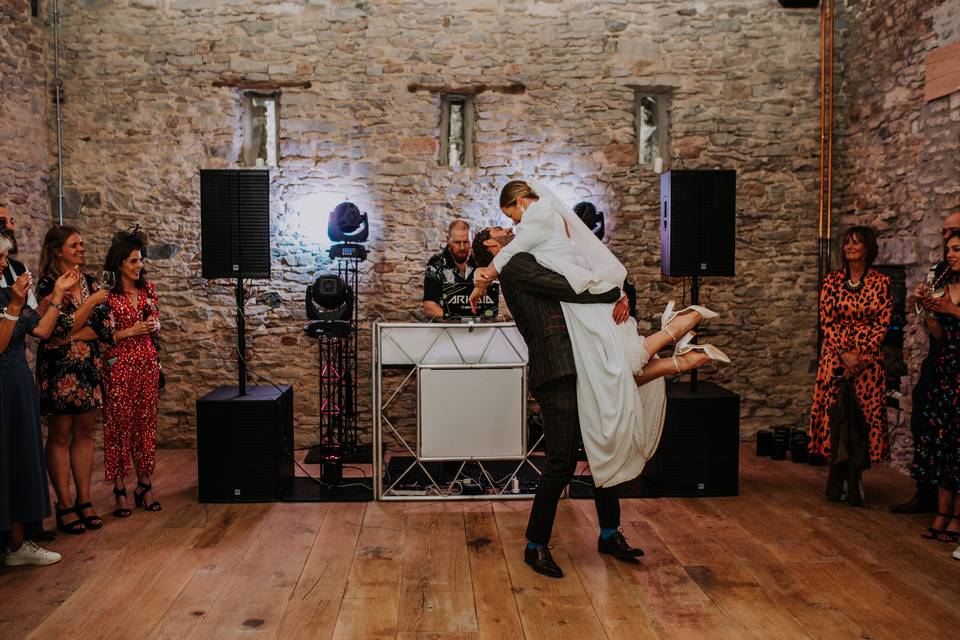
[57,305]
[9,317]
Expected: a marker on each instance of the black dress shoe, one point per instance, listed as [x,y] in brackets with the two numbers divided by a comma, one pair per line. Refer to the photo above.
[542,562]
[616,546]
[917,504]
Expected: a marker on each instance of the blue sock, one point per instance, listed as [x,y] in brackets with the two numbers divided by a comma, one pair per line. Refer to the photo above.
[606,534]
[533,545]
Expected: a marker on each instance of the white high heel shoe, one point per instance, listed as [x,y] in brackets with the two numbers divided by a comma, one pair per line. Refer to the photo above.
[669,314]
[685,346]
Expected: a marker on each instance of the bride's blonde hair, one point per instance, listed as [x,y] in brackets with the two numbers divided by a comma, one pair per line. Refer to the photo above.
[516,189]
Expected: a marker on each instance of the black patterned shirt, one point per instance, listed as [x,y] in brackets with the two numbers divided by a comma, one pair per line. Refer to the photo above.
[442,270]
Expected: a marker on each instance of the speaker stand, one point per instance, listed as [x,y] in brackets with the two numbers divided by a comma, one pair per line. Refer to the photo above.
[241,342]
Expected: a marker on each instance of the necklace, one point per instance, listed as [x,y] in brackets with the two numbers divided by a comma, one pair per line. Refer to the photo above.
[853,285]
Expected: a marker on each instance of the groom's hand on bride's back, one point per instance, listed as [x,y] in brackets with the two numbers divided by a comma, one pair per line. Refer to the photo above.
[621,310]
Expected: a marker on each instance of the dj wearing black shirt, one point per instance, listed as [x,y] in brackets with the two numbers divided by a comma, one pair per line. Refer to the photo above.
[453,265]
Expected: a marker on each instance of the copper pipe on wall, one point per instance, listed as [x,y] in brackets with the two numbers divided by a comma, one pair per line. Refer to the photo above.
[830,140]
[823,111]
[824,226]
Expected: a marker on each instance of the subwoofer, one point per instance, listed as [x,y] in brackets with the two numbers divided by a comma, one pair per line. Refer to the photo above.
[698,222]
[245,444]
[699,452]
[235,223]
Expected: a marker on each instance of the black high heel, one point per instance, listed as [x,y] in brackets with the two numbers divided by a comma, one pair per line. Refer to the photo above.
[73,528]
[91,522]
[140,501]
[121,512]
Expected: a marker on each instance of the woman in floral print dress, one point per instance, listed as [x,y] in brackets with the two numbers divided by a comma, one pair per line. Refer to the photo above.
[938,452]
[68,374]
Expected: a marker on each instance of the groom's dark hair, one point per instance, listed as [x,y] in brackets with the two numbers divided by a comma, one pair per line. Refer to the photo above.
[482,256]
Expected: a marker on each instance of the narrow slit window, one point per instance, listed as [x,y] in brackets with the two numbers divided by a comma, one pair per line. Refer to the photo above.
[456,131]
[261,144]
[35,8]
[653,125]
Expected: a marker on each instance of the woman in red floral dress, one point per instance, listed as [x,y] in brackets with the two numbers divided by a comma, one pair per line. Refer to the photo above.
[130,416]
[855,311]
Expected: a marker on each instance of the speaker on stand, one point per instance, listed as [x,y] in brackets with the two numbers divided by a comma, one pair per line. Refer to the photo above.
[697,227]
[698,238]
[244,435]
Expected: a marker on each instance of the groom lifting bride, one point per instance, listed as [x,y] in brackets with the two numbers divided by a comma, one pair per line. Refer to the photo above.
[591,372]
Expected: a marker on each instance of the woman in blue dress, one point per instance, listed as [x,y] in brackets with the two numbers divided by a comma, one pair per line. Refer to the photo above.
[23,482]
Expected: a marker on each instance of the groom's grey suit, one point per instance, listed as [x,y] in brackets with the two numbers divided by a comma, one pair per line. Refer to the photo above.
[534,293]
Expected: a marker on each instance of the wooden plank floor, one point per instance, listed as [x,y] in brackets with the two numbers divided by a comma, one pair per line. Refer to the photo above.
[776,562]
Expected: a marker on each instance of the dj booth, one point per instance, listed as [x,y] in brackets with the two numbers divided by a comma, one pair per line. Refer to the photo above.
[470,409]
[470,412]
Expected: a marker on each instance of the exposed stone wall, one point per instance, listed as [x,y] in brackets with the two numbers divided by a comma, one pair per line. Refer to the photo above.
[24,161]
[897,154]
[144,114]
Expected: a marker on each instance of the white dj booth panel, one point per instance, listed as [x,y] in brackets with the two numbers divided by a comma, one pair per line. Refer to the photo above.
[470,414]
[471,399]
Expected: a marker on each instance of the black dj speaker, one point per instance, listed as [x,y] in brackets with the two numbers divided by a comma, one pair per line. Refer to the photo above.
[245,444]
[699,452]
[235,223]
[697,222]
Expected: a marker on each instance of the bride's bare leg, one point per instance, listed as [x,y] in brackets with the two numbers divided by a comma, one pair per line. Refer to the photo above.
[659,367]
[678,327]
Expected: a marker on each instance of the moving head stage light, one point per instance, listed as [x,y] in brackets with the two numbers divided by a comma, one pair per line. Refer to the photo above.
[329,303]
[349,227]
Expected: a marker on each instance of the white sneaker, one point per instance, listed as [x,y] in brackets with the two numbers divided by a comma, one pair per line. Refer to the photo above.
[956,553]
[30,553]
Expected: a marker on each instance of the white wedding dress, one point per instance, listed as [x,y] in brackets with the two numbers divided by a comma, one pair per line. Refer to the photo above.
[620,423]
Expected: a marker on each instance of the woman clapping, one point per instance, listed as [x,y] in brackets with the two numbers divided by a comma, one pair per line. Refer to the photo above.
[23,485]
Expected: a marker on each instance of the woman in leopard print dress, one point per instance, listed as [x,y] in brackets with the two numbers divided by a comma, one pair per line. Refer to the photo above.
[855,311]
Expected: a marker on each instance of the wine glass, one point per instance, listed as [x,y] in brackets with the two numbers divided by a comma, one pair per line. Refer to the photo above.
[108,279]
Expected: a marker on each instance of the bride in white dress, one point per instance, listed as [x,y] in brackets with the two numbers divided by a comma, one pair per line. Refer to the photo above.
[620,391]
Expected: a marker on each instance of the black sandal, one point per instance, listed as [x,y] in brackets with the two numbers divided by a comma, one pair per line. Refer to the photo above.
[92,522]
[949,536]
[140,501]
[73,528]
[932,533]
[121,512]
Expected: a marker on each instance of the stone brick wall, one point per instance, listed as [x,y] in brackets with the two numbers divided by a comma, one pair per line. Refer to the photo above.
[24,127]
[898,155]
[145,111]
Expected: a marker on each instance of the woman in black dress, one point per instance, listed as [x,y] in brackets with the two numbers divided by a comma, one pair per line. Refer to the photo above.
[938,452]
[68,374]
[23,483]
